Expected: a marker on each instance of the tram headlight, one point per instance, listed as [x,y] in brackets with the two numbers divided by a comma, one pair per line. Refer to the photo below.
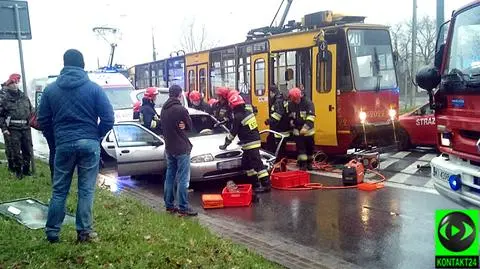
[392,113]
[363,116]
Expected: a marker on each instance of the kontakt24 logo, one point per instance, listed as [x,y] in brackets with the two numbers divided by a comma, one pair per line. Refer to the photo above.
[456,239]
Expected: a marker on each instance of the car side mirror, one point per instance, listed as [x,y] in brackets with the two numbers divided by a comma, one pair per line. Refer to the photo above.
[157,143]
[439,56]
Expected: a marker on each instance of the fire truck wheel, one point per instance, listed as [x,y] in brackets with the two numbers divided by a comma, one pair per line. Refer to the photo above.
[403,140]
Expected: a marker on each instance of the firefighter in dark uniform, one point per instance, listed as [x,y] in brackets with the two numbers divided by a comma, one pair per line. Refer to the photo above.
[136,110]
[15,111]
[221,110]
[302,118]
[245,126]
[279,121]
[196,102]
[148,116]
[3,91]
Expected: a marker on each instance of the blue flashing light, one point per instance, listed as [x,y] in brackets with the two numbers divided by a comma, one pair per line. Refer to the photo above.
[455,182]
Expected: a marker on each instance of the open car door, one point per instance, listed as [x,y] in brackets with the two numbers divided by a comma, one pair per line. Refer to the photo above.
[138,150]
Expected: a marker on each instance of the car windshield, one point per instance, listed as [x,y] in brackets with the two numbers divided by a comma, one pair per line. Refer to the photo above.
[204,125]
[162,97]
[119,97]
[464,53]
[372,59]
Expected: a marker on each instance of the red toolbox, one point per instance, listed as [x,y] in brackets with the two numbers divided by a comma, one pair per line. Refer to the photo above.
[290,179]
[242,197]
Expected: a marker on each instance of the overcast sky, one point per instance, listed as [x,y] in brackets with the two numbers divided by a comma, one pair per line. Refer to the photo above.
[58,25]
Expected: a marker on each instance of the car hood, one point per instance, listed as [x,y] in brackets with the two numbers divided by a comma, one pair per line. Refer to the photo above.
[210,143]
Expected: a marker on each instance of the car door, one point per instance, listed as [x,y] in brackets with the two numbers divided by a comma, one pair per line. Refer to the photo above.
[138,150]
[427,133]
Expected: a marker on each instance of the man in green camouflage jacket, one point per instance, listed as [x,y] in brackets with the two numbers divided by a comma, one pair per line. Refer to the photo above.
[3,91]
[15,111]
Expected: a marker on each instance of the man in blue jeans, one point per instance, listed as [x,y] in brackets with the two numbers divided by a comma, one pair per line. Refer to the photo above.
[175,122]
[71,107]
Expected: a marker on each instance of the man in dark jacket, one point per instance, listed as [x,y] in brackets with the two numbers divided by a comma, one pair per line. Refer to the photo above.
[71,107]
[175,121]
[15,110]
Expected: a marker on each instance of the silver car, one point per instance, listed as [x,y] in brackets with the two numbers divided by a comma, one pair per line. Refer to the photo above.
[139,151]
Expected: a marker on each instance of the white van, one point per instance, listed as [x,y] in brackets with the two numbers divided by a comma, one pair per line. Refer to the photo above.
[118,89]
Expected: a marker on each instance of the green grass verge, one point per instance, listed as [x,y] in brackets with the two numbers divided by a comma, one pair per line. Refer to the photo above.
[131,235]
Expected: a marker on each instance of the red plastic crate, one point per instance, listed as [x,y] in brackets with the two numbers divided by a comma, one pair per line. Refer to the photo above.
[241,198]
[290,179]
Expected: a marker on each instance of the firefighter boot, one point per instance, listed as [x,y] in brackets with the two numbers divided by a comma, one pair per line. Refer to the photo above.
[266,184]
[26,171]
[10,167]
[257,187]
[309,165]
[302,165]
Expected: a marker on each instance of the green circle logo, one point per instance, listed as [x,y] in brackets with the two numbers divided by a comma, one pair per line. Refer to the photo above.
[456,231]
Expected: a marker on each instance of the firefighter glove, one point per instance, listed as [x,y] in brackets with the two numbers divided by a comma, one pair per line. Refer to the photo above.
[267,122]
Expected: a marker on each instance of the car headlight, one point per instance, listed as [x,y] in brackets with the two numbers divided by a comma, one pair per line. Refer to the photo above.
[392,113]
[363,116]
[202,158]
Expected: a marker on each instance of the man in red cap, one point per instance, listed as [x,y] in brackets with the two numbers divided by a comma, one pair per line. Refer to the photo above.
[15,111]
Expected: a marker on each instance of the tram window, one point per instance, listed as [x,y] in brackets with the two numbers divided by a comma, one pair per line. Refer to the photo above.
[244,75]
[282,62]
[191,80]
[202,77]
[176,73]
[259,77]
[154,78]
[324,73]
[223,70]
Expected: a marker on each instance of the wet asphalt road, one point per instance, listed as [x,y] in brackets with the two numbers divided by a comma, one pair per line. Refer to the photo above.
[387,228]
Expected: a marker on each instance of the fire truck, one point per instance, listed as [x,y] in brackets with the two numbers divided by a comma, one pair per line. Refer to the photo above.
[453,85]
[347,68]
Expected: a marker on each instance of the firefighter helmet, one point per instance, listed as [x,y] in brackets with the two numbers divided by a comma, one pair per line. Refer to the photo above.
[212,101]
[295,95]
[194,96]
[232,93]
[222,92]
[136,106]
[150,93]
[235,100]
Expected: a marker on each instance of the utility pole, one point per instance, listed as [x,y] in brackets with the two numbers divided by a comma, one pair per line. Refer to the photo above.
[153,46]
[414,52]
[440,18]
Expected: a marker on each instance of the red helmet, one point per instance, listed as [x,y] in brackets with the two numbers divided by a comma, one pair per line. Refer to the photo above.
[223,92]
[136,106]
[194,96]
[232,93]
[150,93]
[235,100]
[13,78]
[295,95]
[212,101]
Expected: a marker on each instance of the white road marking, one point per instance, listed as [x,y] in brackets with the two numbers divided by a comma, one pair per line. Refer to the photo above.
[413,168]
[428,157]
[400,154]
[387,163]
[411,188]
[403,175]
[430,184]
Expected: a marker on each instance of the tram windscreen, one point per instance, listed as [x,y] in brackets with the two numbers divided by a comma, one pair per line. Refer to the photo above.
[372,59]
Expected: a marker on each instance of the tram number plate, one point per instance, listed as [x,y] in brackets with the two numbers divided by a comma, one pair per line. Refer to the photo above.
[229,164]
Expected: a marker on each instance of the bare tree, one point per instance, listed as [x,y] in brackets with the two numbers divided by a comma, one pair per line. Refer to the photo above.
[195,38]
[402,38]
